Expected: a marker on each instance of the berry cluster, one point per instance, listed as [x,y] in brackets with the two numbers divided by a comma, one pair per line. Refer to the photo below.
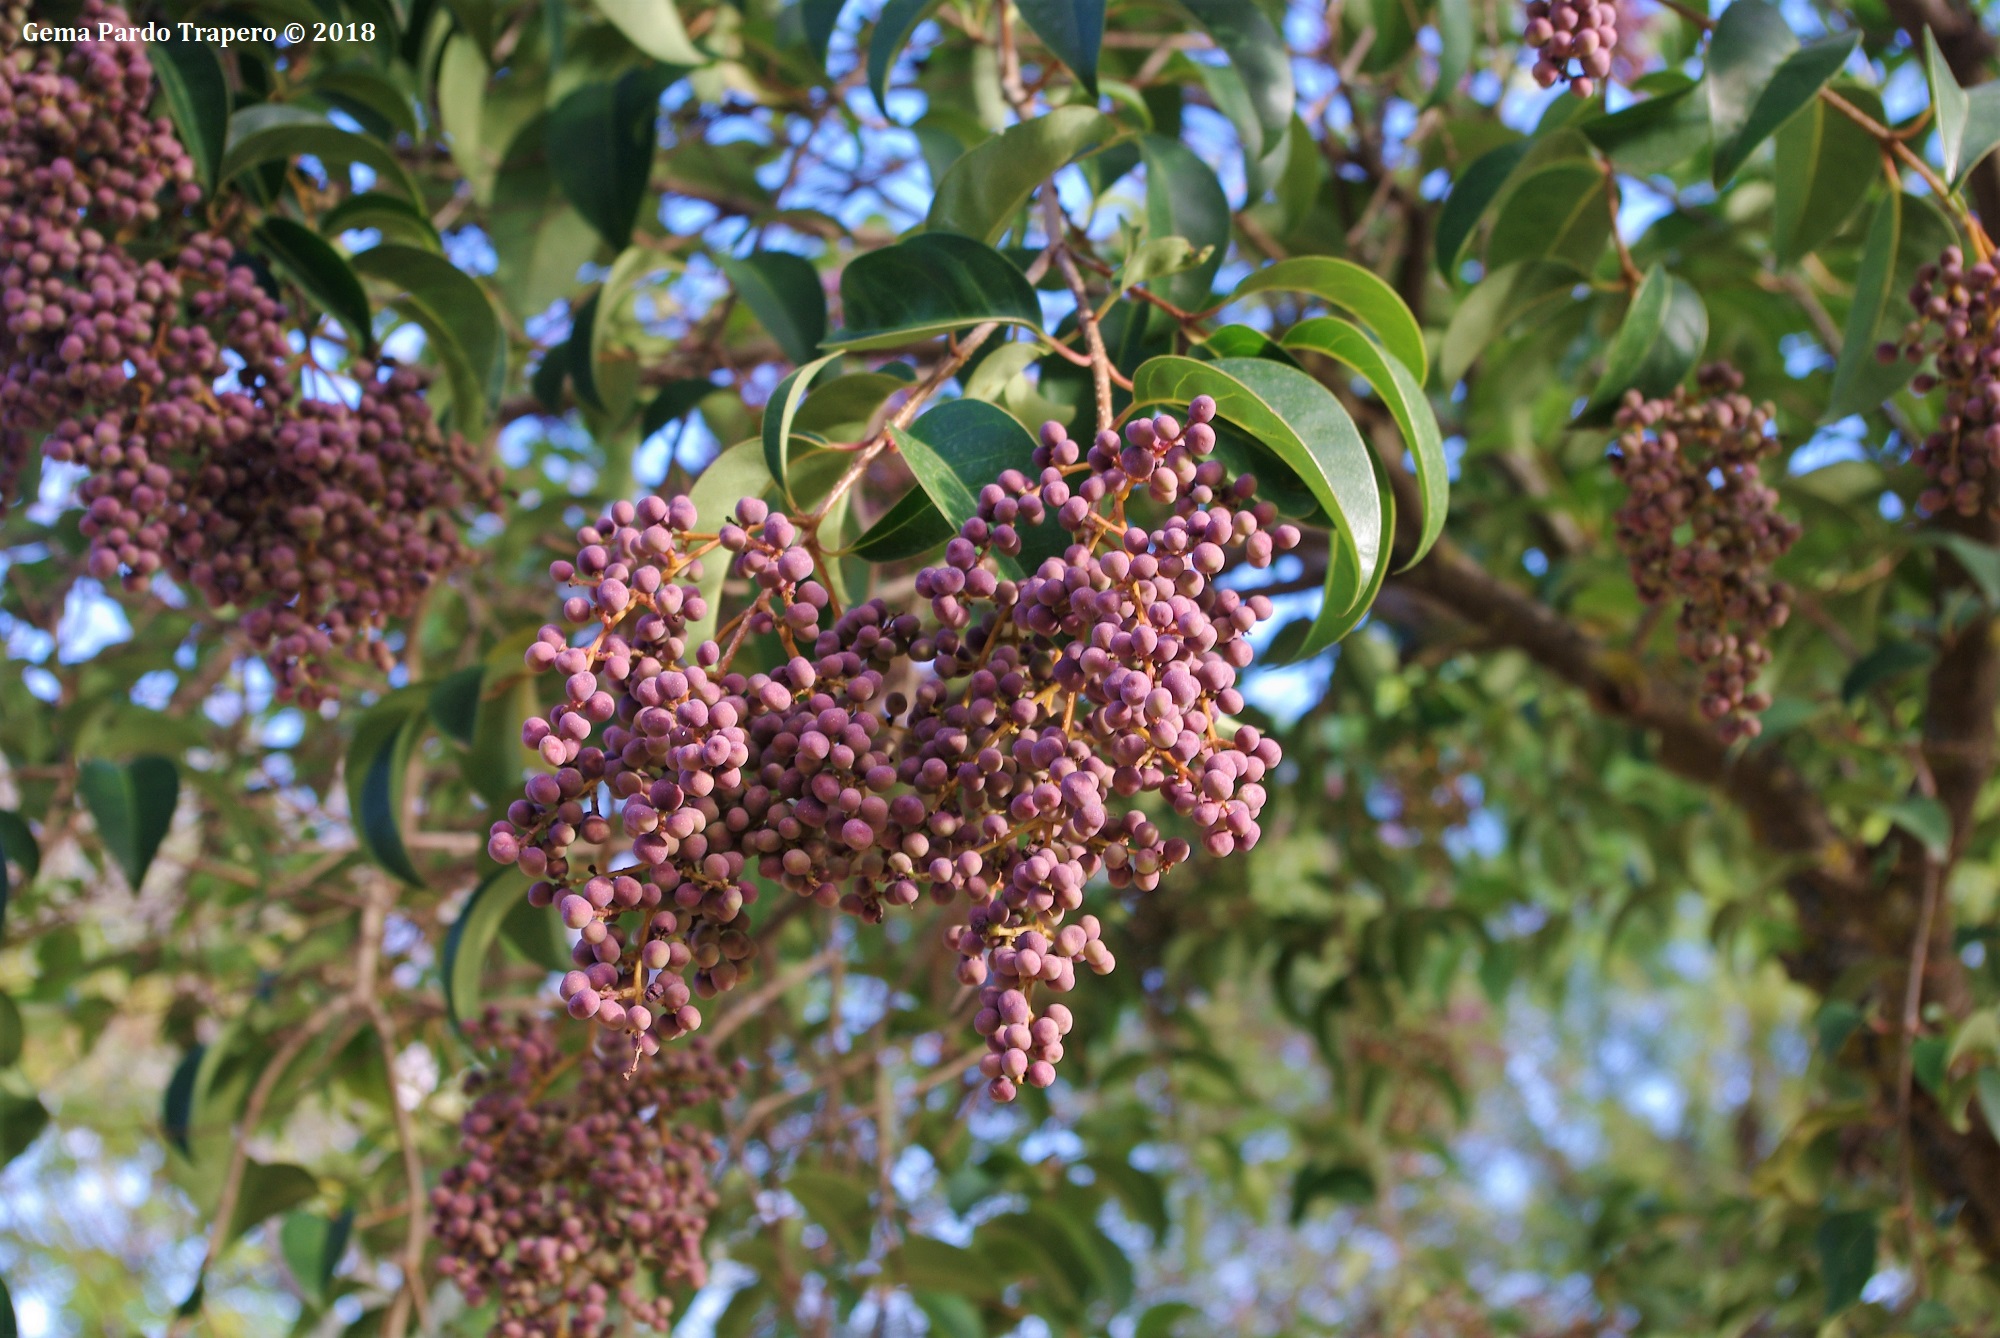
[1039,696]
[1957,321]
[1692,461]
[173,380]
[575,1193]
[1574,41]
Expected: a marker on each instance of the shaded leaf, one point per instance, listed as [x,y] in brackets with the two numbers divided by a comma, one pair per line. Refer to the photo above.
[981,193]
[454,703]
[893,27]
[177,1107]
[133,806]
[391,215]
[22,1119]
[1751,40]
[1792,85]
[281,132]
[779,414]
[1184,199]
[1258,54]
[1073,30]
[13,1033]
[1657,344]
[930,284]
[1558,212]
[19,848]
[1825,166]
[783,291]
[1652,136]
[1907,232]
[313,1246]
[737,473]
[458,317]
[655,27]
[1471,196]
[1498,301]
[1924,818]
[838,1204]
[378,765]
[305,258]
[1164,1320]
[601,143]
[1846,1243]
[268,1190]
[1890,660]
[1342,1182]
[471,938]
[1361,291]
[1987,1086]
[197,95]
[954,450]
[820,18]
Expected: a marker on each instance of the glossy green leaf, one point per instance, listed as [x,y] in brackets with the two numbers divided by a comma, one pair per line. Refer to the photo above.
[1982,129]
[305,258]
[458,317]
[1073,30]
[1795,82]
[1657,344]
[967,441]
[783,291]
[1184,199]
[601,141]
[1846,1243]
[197,96]
[1924,818]
[1950,108]
[655,27]
[460,95]
[1258,54]
[313,1245]
[933,283]
[1342,1182]
[1751,40]
[13,1032]
[1399,389]
[22,1119]
[266,1191]
[1498,301]
[1165,1320]
[133,806]
[1457,36]
[177,1105]
[378,764]
[820,18]
[454,703]
[1888,661]
[1558,212]
[737,473]
[1347,285]
[982,192]
[8,1326]
[893,28]
[1472,194]
[470,940]
[950,1315]
[18,848]
[391,215]
[538,934]
[779,412]
[1825,167]
[1907,232]
[1652,136]
[1300,421]
[281,132]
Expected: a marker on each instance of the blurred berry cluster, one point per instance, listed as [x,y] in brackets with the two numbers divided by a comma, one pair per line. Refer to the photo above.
[174,381]
[1958,309]
[1700,524]
[578,1198]
[1574,41]
[995,755]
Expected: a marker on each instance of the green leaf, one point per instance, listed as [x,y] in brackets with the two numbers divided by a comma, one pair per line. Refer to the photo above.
[1157,259]
[1924,818]
[280,132]
[1927,1063]
[1792,85]
[893,27]
[737,473]
[1300,421]
[783,291]
[1347,285]
[1751,40]
[454,703]
[959,447]
[925,1263]
[378,764]
[1950,108]
[1652,136]
[391,215]
[1825,167]
[1399,389]
[268,1190]
[1164,1320]
[133,806]
[1837,1021]
[1501,299]
[1846,1254]
[1343,1182]
[8,1328]
[1891,659]
[820,18]
[458,317]
[1141,1193]
[1259,56]
[19,848]
[1184,199]
[1657,344]
[930,284]
[602,139]
[1987,1086]
[471,937]
[313,1246]
[655,27]
[950,1315]
[1457,36]
[177,1106]
[839,1204]
[1980,561]
[1471,196]
[1558,212]
[460,94]
[13,1033]
[197,94]
[981,193]
[304,257]
[779,414]
[1982,129]
[1907,232]
[1073,30]
[22,1119]
[536,932]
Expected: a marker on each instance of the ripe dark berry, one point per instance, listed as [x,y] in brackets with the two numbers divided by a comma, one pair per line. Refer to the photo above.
[1574,41]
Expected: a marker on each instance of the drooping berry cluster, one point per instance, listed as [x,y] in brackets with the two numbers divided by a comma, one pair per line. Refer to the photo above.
[173,380]
[579,1197]
[1574,39]
[1692,461]
[1957,322]
[1050,689]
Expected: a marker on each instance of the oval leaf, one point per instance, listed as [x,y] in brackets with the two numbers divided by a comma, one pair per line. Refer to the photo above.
[779,413]
[455,312]
[898,20]
[304,257]
[1073,30]
[377,766]
[280,132]
[1347,285]
[1184,199]
[391,215]
[1751,40]
[655,27]
[1471,196]
[19,848]
[601,143]
[982,192]
[133,806]
[1657,344]
[1907,232]
[1825,166]
[737,473]
[932,283]
[1259,56]
[783,291]
[1796,82]
[471,938]
[954,450]
[197,95]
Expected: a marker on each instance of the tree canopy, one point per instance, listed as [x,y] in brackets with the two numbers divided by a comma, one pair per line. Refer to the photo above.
[999,667]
